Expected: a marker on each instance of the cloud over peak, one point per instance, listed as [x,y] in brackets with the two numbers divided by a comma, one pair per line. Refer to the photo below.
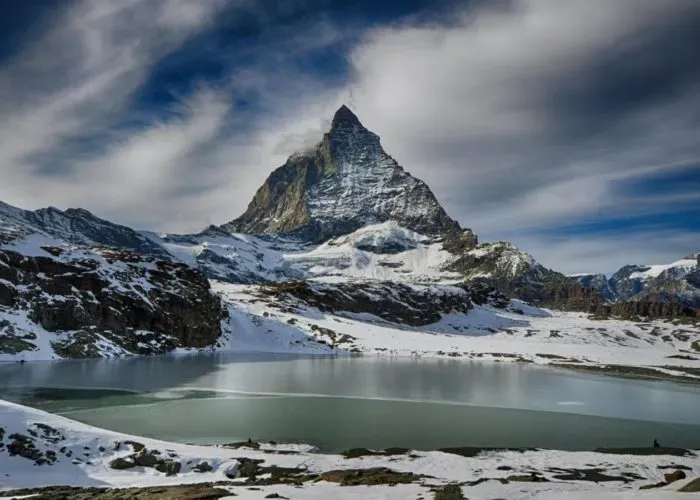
[526,117]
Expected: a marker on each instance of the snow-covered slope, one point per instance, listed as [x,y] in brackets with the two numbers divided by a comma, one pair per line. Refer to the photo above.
[384,251]
[75,226]
[280,322]
[40,449]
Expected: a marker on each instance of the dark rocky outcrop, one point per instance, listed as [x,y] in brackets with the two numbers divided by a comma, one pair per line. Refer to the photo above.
[204,491]
[142,304]
[395,302]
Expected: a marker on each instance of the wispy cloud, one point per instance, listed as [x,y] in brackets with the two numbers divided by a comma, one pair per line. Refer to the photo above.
[75,83]
[522,116]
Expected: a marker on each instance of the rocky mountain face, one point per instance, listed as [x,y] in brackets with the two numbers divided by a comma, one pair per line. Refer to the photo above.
[394,302]
[121,301]
[82,287]
[346,182]
[599,283]
[341,228]
[649,287]
[75,226]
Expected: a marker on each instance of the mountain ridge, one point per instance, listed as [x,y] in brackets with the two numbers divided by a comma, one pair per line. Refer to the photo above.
[342,212]
[345,182]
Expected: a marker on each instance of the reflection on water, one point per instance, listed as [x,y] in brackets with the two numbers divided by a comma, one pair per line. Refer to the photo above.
[346,402]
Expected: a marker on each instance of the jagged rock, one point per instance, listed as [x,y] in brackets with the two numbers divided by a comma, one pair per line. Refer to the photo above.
[23,446]
[248,468]
[147,458]
[169,467]
[346,182]
[395,302]
[142,304]
[202,467]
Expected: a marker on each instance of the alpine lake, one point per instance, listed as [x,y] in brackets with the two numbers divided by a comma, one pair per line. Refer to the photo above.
[337,403]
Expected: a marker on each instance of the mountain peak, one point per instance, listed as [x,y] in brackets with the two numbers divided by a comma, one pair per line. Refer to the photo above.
[345,183]
[344,117]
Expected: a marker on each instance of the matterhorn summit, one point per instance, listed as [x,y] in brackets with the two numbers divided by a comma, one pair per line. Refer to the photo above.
[347,181]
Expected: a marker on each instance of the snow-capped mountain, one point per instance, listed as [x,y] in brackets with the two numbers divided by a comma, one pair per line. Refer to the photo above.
[679,280]
[75,226]
[341,228]
[345,208]
[346,182]
[74,285]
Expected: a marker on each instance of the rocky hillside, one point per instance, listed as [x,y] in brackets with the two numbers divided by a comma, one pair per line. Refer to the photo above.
[346,182]
[341,228]
[102,302]
[73,285]
[75,226]
[676,282]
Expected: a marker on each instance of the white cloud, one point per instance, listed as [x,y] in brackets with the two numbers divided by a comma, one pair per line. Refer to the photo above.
[76,81]
[531,114]
[520,118]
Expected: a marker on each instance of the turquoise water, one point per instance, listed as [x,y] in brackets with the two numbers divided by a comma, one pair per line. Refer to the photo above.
[338,403]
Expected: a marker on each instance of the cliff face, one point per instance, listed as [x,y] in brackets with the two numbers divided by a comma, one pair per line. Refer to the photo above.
[346,182]
[659,290]
[103,302]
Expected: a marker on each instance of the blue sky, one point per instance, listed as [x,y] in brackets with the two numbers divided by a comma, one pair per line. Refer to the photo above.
[570,128]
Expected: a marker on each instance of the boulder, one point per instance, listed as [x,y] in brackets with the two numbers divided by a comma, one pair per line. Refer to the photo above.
[674,476]
[692,487]
[121,464]
[169,467]
[202,467]
[146,458]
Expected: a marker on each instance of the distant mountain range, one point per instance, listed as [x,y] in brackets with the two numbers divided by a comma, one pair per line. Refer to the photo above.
[678,280]
[342,211]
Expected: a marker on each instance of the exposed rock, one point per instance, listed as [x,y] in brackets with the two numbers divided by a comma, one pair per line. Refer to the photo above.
[140,304]
[135,445]
[368,477]
[189,492]
[528,478]
[24,447]
[345,182]
[146,458]
[169,467]
[122,464]
[247,468]
[599,283]
[202,467]
[674,476]
[395,302]
[692,487]
[449,492]
[364,452]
